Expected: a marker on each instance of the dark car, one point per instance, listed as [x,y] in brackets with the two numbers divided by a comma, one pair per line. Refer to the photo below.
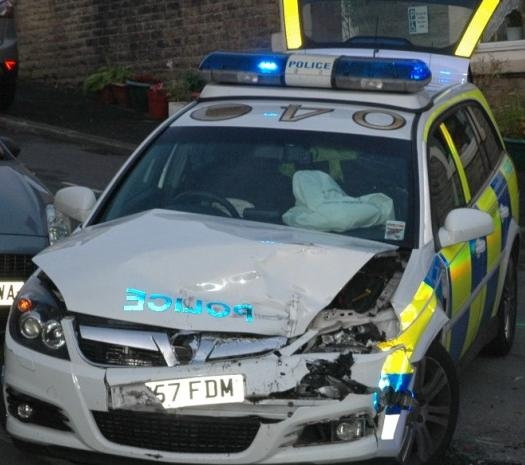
[8,54]
[27,223]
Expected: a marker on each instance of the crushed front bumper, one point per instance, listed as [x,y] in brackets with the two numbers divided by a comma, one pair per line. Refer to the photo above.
[80,398]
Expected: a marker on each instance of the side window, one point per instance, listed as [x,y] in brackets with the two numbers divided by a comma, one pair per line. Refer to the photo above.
[489,138]
[473,160]
[445,186]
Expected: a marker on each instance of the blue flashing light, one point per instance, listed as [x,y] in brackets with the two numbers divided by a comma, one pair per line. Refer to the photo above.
[245,68]
[268,66]
[420,71]
[397,75]
[356,73]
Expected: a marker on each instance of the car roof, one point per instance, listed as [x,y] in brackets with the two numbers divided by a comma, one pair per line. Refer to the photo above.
[410,102]
[324,110]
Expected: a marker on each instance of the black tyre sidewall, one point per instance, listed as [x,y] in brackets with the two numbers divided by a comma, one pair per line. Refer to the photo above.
[501,345]
[438,353]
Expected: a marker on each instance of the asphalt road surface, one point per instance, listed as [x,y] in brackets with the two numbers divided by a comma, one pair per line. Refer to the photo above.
[491,429]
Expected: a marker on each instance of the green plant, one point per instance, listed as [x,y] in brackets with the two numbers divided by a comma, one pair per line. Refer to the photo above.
[98,80]
[178,91]
[193,81]
[105,76]
[120,75]
[510,115]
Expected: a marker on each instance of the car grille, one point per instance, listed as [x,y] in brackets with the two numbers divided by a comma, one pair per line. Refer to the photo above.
[176,433]
[16,266]
[118,343]
[111,354]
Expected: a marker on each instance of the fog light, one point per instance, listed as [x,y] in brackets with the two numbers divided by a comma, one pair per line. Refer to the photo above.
[350,429]
[53,335]
[24,411]
[30,326]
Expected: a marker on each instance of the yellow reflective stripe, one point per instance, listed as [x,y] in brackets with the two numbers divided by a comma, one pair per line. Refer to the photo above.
[508,171]
[411,312]
[476,27]
[398,363]
[414,322]
[457,161]
[292,24]
[488,202]
[460,269]
[474,94]
[411,335]
[475,315]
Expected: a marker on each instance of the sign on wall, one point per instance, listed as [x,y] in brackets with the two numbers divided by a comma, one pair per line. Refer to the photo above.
[418,20]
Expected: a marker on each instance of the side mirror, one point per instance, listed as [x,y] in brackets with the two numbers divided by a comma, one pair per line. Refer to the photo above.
[465,224]
[75,202]
[11,145]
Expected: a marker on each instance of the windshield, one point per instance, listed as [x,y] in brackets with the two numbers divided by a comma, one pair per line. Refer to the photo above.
[433,26]
[347,184]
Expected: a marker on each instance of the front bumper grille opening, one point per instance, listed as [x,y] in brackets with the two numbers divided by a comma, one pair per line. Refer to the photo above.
[344,429]
[44,414]
[319,433]
[16,266]
[111,354]
[176,433]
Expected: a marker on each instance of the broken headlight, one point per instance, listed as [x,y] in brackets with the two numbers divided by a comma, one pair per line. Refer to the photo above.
[372,287]
[358,318]
[36,316]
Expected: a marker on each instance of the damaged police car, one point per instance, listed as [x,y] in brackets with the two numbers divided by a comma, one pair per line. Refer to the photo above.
[288,270]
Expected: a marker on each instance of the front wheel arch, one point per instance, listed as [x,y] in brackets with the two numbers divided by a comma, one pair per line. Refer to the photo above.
[432,420]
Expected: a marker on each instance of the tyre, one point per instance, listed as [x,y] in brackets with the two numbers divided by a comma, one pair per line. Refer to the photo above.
[507,312]
[432,421]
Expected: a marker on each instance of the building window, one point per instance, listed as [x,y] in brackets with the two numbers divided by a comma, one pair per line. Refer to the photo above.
[507,24]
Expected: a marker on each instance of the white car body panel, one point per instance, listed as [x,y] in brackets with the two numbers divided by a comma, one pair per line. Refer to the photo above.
[268,114]
[275,269]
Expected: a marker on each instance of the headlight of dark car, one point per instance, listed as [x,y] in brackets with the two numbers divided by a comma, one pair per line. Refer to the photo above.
[36,317]
[58,225]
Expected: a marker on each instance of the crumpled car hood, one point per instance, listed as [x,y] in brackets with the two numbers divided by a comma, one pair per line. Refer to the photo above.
[202,273]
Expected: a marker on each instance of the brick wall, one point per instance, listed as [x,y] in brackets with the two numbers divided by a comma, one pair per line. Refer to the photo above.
[62,41]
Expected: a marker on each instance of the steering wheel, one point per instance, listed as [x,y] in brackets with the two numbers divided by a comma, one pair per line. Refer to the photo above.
[208,199]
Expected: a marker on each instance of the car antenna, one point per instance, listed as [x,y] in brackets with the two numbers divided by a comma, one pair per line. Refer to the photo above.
[376,49]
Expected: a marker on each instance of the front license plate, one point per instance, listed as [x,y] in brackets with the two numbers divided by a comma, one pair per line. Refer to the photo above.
[8,291]
[208,390]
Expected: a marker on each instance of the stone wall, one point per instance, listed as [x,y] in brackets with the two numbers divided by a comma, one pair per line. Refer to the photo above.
[61,41]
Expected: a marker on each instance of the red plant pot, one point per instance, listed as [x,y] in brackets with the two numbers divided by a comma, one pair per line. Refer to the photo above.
[105,95]
[158,104]
[120,93]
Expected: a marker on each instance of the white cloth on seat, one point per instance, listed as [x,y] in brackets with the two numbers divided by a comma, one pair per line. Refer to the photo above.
[322,205]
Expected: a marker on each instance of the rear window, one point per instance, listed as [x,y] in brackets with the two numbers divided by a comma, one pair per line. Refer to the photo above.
[435,25]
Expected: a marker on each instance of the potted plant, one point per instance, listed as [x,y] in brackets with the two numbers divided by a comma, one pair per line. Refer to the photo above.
[138,90]
[99,83]
[158,101]
[178,96]
[194,83]
[119,87]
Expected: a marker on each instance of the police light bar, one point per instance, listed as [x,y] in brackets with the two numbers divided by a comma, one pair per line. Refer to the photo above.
[320,71]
